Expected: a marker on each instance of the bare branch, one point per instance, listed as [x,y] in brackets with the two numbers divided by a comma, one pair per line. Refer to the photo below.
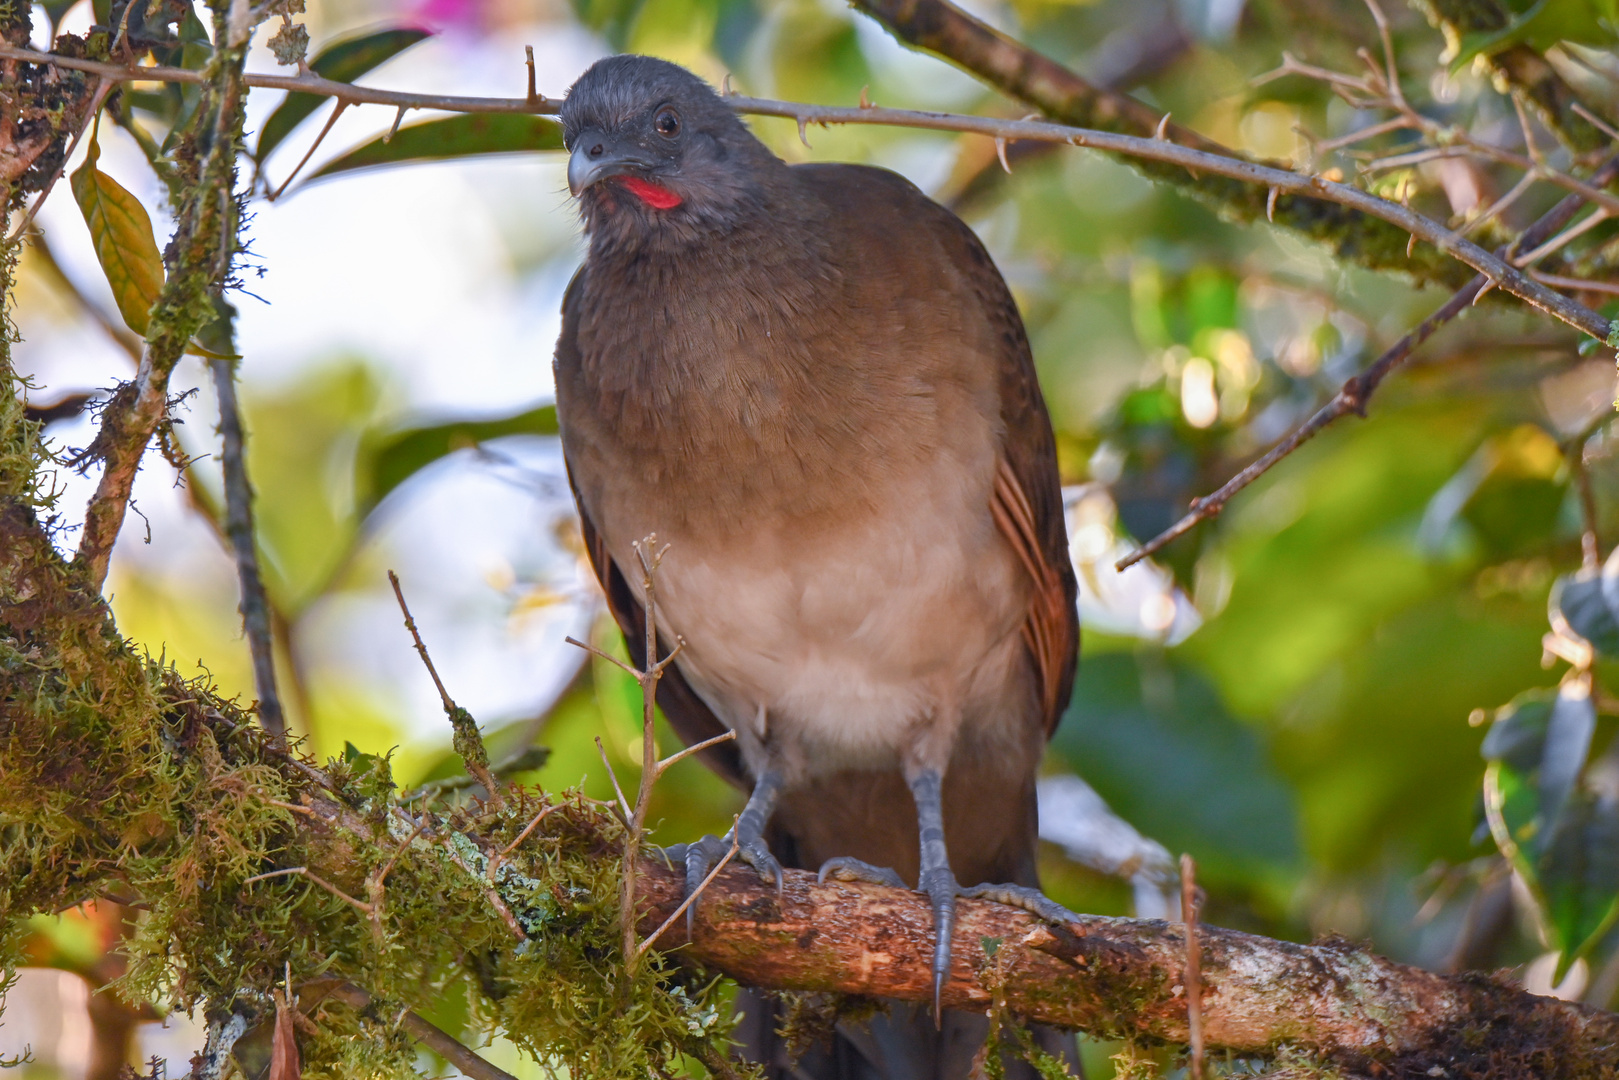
[468,741]
[1193,979]
[694,748]
[255,604]
[1352,397]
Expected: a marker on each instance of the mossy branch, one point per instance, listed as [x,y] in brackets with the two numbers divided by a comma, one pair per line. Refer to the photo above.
[114,773]
[197,262]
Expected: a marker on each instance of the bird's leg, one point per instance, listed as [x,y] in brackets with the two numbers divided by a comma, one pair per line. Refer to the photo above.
[700,856]
[939,881]
[935,877]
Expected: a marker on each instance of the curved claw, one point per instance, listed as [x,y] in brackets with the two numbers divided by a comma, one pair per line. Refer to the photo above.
[940,885]
[756,853]
[1033,901]
[844,868]
[700,857]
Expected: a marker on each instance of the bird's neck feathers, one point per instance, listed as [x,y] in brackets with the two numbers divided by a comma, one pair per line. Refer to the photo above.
[752,189]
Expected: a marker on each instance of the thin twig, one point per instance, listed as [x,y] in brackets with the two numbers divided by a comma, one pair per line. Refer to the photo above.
[650,556]
[692,896]
[1392,75]
[494,863]
[1193,977]
[337,112]
[255,603]
[1558,281]
[603,654]
[439,1042]
[421,648]
[1351,398]
[303,871]
[663,765]
[1167,152]
[623,804]
[1527,181]
[468,742]
[1354,393]
[1371,131]
[1563,238]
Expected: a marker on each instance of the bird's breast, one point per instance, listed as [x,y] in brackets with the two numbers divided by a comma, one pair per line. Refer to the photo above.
[837,640]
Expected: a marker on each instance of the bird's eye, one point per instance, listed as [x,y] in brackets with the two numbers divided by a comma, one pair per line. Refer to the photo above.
[667,123]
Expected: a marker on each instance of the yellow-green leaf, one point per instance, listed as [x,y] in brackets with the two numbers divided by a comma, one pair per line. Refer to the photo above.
[125,246]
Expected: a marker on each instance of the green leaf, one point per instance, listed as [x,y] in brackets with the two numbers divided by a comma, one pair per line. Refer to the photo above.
[1518,734]
[1559,831]
[467,135]
[1581,603]
[1589,603]
[122,233]
[398,456]
[1579,876]
[342,61]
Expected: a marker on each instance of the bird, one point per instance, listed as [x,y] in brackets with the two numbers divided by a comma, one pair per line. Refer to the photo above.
[812,386]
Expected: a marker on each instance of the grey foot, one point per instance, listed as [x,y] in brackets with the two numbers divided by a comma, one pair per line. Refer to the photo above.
[701,856]
[844,868]
[1033,901]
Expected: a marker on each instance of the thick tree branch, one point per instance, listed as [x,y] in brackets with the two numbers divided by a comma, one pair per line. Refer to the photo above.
[1122,978]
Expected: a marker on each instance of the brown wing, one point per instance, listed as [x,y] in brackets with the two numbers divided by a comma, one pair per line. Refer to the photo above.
[1028,491]
[687,713]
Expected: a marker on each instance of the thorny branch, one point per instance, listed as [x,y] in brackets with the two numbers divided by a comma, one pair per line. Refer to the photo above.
[1199,163]
[1354,394]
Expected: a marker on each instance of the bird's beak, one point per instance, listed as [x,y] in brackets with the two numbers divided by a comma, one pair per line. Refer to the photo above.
[595,158]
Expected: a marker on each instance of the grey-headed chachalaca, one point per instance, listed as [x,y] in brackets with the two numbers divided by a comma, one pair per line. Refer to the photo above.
[811,383]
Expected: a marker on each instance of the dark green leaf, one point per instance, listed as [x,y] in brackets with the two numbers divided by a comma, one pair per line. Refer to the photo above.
[453,137]
[1587,612]
[1568,741]
[1579,876]
[122,233]
[1519,732]
[342,61]
[398,456]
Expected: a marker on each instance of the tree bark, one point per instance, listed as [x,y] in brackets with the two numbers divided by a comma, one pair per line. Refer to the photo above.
[1123,978]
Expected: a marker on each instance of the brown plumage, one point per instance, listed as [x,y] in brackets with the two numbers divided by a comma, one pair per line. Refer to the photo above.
[814,386]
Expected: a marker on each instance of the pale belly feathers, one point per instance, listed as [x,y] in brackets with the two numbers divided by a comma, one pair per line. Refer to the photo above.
[856,647]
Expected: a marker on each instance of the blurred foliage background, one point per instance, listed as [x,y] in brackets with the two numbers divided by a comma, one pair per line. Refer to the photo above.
[1295,693]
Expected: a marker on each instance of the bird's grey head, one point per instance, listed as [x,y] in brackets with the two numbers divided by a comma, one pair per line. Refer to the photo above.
[655,151]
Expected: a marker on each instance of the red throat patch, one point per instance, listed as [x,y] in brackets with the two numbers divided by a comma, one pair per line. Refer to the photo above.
[659,198]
